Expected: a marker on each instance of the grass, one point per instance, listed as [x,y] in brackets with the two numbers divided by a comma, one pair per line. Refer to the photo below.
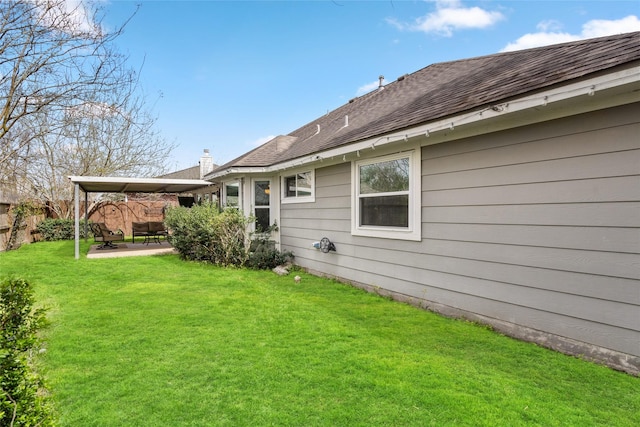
[155,341]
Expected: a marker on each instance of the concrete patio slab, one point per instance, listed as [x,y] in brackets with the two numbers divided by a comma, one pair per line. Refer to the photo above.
[132,249]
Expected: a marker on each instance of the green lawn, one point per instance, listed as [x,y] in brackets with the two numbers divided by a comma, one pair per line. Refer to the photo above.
[155,341]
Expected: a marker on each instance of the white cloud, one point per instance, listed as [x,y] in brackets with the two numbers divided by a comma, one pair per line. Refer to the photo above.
[368,87]
[70,16]
[539,39]
[549,26]
[594,28]
[451,15]
[258,142]
[601,27]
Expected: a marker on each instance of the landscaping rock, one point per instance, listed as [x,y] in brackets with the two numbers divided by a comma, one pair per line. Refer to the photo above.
[281,270]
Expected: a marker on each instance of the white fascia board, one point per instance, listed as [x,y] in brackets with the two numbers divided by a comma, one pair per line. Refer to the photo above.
[133,180]
[587,87]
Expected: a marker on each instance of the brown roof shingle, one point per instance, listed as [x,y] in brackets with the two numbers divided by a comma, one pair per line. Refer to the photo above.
[447,89]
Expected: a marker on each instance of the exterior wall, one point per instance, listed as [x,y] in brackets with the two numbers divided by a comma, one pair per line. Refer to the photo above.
[535,231]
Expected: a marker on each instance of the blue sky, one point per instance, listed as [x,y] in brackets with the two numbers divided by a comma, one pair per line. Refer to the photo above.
[229,75]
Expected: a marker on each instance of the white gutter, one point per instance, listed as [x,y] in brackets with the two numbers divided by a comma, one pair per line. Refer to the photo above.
[587,87]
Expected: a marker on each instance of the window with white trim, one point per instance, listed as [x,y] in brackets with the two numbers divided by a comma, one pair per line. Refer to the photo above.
[232,194]
[262,204]
[386,200]
[298,187]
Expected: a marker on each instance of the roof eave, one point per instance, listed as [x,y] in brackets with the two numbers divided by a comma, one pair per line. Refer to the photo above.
[236,170]
[105,184]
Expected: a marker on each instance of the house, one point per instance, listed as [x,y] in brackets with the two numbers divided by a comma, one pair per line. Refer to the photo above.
[204,166]
[504,189]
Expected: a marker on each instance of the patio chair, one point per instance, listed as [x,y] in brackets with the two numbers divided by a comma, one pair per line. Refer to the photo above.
[102,234]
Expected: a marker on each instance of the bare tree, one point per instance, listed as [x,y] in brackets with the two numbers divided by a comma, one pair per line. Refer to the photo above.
[113,137]
[69,104]
[50,59]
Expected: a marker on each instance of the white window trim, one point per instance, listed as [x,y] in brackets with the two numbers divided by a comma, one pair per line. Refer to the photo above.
[414,230]
[304,199]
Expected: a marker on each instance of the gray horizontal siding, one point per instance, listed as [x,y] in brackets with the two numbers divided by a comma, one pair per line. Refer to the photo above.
[552,140]
[314,212]
[625,214]
[618,164]
[597,190]
[538,227]
[597,286]
[604,239]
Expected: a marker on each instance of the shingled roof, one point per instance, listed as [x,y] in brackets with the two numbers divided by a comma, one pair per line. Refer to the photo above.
[446,89]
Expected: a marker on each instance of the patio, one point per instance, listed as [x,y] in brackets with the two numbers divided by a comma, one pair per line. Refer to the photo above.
[102,184]
[128,249]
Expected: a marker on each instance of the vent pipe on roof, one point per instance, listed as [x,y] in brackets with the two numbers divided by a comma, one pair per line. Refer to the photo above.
[380,80]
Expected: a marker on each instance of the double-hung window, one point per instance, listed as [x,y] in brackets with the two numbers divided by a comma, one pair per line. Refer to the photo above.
[298,187]
[386,199]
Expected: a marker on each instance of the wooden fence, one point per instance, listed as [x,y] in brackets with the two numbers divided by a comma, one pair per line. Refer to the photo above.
[120,215]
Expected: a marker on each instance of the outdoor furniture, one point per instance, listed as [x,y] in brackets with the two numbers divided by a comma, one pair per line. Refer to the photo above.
[102,234]
[150,230]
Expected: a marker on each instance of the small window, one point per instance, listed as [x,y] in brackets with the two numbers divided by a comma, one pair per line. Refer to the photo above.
[262,204]
[232,194]
[298,188]
[387,197]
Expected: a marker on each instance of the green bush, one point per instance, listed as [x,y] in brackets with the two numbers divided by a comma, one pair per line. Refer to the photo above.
[203,233]
[59,229]
[265,256]
[22,401]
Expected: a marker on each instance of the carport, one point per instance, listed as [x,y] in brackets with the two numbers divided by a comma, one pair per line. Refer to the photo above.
[105,184]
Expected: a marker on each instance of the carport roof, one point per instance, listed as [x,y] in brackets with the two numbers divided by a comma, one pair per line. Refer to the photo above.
[107,184]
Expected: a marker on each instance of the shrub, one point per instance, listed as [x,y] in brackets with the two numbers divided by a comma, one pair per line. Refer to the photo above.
[22,402]
[203,233]
[231,230]
[190,230]
[59,229]
[265,256]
